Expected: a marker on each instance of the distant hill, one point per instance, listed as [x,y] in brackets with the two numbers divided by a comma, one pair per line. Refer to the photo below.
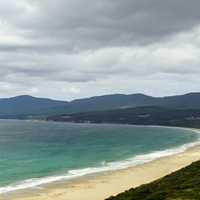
[116,101]
[181,185]
[28,105]
[107,102]
[148,115]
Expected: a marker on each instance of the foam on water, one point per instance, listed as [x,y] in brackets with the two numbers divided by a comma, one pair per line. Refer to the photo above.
[103,167]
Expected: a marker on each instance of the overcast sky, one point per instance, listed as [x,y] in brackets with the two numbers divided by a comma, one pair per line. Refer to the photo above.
[66,49]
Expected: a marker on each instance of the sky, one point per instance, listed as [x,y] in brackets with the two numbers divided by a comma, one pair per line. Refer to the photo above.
[68,49]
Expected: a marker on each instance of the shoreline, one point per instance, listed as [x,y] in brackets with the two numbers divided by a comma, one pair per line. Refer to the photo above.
[92,186]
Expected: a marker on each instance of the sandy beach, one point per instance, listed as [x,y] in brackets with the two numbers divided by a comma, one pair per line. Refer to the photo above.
[104,185]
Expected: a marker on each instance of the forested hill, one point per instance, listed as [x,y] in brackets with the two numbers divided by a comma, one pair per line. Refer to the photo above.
[149,115]
[26,106]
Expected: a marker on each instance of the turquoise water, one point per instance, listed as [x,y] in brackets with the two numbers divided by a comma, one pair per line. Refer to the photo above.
[32,149]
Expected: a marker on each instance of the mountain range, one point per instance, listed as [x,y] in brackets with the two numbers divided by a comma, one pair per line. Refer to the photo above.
[32,106]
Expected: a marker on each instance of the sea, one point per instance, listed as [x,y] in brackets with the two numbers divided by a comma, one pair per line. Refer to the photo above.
[33,153]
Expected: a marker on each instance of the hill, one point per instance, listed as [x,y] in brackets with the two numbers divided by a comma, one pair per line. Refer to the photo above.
[107,102]
[149,115]
[116,101]
[16,107]
[27,105]
[181,185]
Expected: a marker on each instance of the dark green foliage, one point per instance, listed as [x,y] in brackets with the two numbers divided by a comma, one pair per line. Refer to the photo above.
[181,185]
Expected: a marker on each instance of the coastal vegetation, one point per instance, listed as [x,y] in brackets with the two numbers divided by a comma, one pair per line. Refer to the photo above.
[148,115]
[181,185]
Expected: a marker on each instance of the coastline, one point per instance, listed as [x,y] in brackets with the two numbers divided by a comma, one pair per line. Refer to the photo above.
[93,186]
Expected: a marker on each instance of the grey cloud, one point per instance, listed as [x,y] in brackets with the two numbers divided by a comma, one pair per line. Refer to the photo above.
[49,46]
[80,25]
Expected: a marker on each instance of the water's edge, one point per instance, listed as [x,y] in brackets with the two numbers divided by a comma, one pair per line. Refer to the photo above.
[104,167]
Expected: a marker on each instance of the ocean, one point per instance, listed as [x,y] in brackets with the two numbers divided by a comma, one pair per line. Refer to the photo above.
[36,152]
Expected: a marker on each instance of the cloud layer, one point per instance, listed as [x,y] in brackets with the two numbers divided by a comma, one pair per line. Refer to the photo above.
[72,48]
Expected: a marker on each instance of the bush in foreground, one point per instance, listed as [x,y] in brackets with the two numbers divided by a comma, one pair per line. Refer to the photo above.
[181,185]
